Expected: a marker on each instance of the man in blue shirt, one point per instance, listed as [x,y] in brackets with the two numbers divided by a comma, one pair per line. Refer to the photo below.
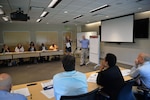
[5,88]
[70,82]
[84,50]
[142,69]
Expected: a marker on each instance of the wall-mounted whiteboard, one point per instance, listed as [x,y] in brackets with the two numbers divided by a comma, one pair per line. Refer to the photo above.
[87,36]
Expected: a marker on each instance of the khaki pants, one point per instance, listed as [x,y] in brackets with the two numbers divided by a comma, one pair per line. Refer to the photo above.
[84,55]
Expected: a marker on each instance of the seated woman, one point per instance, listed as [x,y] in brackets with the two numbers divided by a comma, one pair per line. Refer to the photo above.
[6,49]
[43,48]
[19,48]
[32,49]
[53,47]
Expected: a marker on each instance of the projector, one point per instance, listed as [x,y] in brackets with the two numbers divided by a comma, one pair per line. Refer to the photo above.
[19,16]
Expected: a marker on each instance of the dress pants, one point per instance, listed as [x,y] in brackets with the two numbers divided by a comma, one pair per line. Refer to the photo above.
[84,55]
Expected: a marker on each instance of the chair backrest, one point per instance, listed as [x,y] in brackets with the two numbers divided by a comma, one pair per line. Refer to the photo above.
[87,96]
[126,91]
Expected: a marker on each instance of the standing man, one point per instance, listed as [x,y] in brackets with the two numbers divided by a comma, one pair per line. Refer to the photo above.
[84,50]
[5,88]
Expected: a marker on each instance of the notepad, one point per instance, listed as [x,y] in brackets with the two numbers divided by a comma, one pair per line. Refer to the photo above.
[92,78]
[125,72]
[46,84]
[23,91]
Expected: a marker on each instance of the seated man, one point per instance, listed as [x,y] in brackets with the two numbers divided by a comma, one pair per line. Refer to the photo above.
[142,69]
[110,76]
[5,88]
[70,82]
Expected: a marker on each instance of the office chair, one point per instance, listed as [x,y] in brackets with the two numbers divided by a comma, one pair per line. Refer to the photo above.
[126,91]
[93,95]
[145,92]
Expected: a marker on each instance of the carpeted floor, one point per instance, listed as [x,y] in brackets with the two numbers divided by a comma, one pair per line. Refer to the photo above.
[42,71]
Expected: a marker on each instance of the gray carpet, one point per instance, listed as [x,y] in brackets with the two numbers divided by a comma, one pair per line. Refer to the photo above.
[42,71]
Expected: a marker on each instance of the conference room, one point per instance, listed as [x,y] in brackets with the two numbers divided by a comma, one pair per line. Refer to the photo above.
[25,21]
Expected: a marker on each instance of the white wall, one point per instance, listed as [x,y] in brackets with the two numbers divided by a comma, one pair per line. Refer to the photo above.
[125,52]
[33,28]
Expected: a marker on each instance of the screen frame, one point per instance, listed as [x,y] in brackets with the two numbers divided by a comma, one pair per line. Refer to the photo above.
[118,42]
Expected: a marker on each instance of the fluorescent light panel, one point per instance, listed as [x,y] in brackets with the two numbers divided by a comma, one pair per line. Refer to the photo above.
[5,18]
[53,3]
[38,20]
[65,22]
[78,16]
[44,14]
[99,8]
[1,12]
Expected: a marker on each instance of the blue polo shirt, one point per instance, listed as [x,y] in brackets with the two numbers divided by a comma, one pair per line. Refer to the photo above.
[69,83]
[5,95]
[84,43]
[144,72]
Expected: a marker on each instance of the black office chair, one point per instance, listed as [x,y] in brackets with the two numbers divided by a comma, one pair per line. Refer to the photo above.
[93,95]
[126,91]
[144,92]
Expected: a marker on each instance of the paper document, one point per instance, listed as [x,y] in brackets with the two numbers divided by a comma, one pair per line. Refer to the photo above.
[125,72]
[23,91]
[92,78]
[48,93]
[45,84]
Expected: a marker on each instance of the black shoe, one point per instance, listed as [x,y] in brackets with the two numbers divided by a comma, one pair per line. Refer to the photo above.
[82,64]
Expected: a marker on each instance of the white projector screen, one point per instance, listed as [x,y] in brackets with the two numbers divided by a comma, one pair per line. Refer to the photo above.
[118,29]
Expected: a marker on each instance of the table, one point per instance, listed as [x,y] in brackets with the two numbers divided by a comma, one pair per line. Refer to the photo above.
[27,54]
[37,95]
[51,52]
[4,56]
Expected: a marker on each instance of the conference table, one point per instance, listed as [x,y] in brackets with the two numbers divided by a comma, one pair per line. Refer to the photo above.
[36,88]
[27,54]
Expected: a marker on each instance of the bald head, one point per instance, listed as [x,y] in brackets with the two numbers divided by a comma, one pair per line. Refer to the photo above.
[143,57]
[5,82]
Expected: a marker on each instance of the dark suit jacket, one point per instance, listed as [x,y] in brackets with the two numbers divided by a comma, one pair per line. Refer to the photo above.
[31,48]
[112,80]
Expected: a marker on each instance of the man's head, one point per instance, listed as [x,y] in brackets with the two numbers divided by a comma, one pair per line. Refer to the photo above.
[83,37]
[68,63]
[5,82]
[110,59]
[142,57]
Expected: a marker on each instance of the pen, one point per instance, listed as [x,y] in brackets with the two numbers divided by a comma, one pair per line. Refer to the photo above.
[31,84]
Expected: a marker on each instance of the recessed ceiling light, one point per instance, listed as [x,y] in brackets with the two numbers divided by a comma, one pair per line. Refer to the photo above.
[38,20]
[65,12]
[99,8]
[53,3]
[139,8]
[107,16]
[5,18]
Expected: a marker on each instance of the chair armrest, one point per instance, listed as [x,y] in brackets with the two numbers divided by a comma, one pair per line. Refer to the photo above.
[143,88]
[105,95]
